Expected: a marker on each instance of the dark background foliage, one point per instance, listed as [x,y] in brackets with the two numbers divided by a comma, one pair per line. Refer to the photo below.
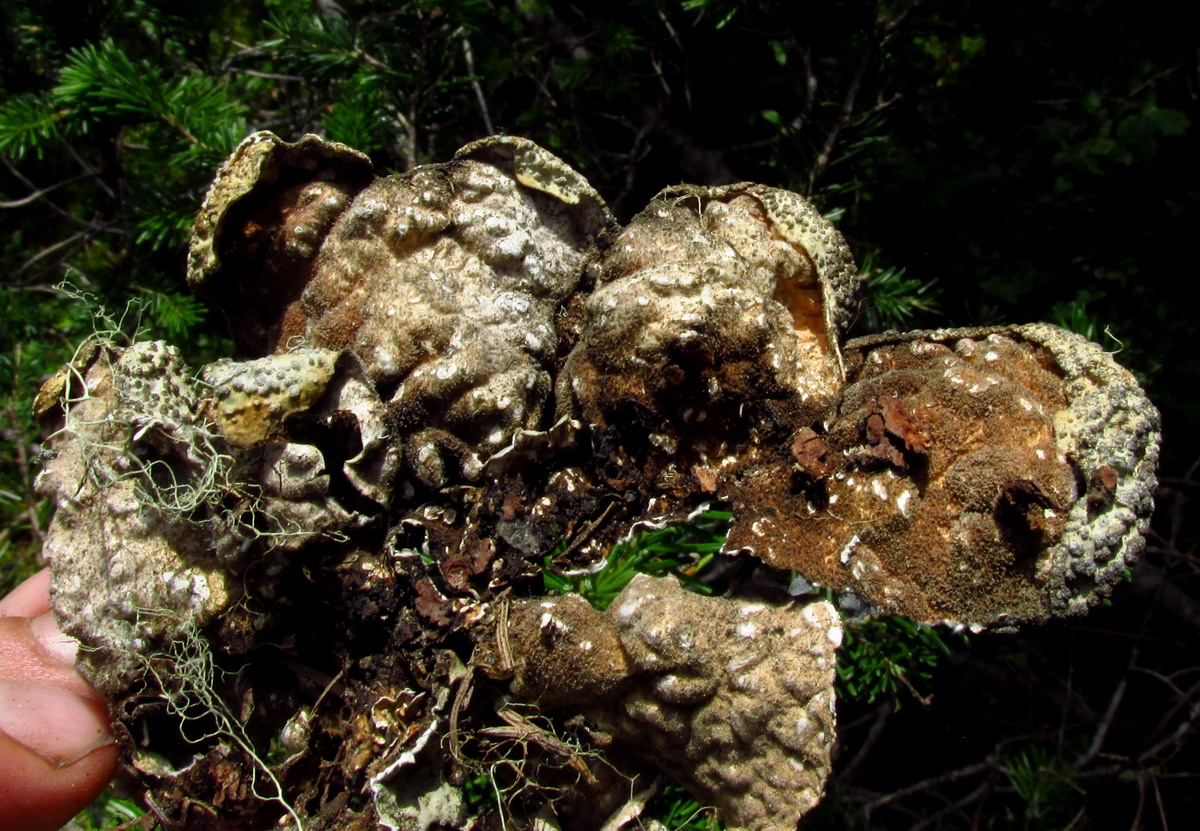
[989,162]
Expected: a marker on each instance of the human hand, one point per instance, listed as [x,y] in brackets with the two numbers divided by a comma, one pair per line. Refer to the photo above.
[56,752]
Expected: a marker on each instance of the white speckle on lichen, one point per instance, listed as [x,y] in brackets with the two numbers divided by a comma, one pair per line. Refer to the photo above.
[847,550]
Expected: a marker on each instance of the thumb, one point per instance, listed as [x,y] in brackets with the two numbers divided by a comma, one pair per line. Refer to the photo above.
[56,753]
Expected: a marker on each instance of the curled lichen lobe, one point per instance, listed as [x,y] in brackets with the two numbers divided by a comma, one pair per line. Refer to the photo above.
[705,302]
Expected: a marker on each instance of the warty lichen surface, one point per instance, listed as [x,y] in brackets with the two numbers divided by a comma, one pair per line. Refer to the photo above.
[712,298]
[444,281]
[733,698]
[450,379]
[166,484]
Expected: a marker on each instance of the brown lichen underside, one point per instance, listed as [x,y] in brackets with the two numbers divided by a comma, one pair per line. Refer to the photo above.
[941,490]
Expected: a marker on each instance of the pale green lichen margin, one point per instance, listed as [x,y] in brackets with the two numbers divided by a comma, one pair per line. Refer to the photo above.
[258,160]
[253,398]
[801,224]
[1108,422]
[536,168]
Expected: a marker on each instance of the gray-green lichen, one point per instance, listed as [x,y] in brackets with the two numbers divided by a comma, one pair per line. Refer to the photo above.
[733,698]
[130,465]
[165,481]
[253,398]
[450,379]
[444,281]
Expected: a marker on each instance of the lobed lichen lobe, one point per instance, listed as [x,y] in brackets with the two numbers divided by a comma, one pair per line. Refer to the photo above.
[732,697]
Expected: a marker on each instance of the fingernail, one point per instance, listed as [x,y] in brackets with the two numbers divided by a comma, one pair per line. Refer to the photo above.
[59,646]
[57,725]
